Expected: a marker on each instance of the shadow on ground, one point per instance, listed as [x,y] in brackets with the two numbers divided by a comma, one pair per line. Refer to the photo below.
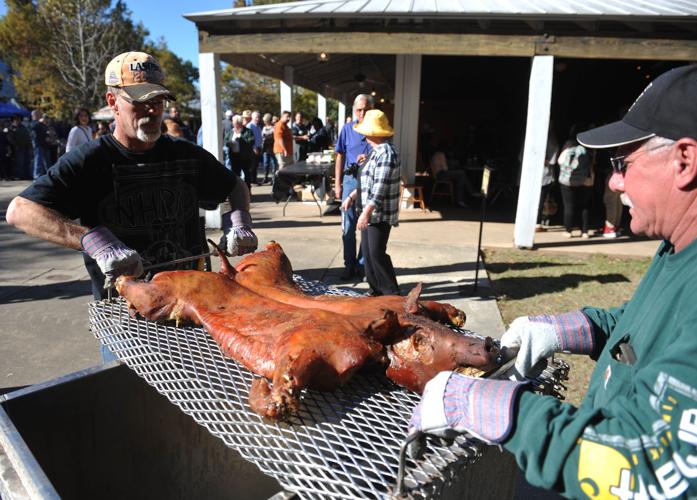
[12,294]
[525,287]
[500,267]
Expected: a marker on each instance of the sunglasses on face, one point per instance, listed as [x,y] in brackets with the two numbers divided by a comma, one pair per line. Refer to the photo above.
[620,163]
[154,104]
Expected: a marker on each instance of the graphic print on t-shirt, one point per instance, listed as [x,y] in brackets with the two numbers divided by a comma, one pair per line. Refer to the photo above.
[155,209]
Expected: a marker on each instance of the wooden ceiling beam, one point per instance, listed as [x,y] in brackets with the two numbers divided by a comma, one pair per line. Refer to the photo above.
[451,44]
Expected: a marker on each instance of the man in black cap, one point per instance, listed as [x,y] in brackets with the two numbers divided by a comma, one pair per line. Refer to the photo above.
[635,434]
[133,198]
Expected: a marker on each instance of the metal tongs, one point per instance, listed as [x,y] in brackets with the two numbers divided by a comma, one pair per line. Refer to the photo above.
[507,358]
[110,289]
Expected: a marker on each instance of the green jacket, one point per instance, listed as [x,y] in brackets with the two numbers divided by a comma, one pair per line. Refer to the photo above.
[244,151]
[635,434]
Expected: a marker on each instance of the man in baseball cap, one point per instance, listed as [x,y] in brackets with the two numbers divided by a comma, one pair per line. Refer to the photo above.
[138,75]
[666,108]
[132,198]
[635,434]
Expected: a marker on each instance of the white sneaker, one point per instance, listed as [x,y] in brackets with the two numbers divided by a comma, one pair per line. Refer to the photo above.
[567,234]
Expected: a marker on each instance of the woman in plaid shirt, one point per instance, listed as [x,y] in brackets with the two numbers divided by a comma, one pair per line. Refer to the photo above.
[378,203]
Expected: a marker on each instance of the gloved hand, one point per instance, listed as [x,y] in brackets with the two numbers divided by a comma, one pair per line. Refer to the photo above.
[538,337]
[238,237]
[454,403]
[112,256]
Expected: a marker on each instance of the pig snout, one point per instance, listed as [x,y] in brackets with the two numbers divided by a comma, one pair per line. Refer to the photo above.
[482,354]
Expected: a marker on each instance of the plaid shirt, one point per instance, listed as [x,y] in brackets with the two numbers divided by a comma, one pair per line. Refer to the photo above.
[380,184]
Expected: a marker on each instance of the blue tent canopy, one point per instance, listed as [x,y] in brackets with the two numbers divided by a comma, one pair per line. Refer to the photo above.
[8,110]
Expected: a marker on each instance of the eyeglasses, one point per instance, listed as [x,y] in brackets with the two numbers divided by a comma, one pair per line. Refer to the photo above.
[619,163]
[154,104]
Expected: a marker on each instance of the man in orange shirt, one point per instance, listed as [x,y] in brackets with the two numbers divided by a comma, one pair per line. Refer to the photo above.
[283,141]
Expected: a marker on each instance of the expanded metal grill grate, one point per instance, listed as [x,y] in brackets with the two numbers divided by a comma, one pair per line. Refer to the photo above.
[342,444]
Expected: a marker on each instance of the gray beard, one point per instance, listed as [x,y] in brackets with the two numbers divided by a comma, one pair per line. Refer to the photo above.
[144,136]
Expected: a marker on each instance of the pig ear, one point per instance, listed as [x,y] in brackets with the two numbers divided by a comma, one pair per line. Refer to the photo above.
[412,304]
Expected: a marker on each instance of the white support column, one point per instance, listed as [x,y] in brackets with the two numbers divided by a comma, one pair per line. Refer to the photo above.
[539,102]
[321,107]
[211,117]
[287,89]
[341,118]
[406,111]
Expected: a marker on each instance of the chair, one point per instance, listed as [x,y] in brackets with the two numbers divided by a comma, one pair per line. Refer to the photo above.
[414,192]
[443,188]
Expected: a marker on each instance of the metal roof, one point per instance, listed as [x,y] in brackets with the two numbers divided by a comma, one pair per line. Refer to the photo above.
[347,73]
[541,9]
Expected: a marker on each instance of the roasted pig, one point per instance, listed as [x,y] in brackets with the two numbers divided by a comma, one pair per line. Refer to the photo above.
[297,347]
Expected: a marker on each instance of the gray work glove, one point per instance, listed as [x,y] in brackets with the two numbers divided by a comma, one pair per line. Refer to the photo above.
[112,256]
[238,237]
[538,337]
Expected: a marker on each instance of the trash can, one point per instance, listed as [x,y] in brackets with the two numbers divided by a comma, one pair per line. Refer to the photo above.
[104,433]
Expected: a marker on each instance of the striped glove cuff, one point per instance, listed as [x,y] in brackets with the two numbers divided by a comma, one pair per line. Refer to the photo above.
[482,407]
[574,331]
[97,240]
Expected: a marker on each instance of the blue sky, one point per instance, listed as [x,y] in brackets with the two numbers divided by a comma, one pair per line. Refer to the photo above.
[164,19]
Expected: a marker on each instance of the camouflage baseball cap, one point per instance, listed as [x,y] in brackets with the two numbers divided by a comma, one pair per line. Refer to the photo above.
[139,75]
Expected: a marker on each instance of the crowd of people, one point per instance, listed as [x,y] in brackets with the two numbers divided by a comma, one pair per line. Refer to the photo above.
[254,143]
[28,147]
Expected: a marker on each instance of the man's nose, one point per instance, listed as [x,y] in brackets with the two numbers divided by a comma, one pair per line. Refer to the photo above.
[616,182]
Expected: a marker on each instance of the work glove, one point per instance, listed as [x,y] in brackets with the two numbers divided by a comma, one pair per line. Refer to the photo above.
[452,404]
[112,256]
[538,337]
[238,237]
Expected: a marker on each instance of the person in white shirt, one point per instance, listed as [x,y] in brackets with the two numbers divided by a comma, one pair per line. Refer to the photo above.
[81,133]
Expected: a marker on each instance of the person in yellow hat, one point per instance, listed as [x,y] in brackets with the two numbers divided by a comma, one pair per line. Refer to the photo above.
[377,199]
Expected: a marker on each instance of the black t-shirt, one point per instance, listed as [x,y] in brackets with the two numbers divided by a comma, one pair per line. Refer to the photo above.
[149,200]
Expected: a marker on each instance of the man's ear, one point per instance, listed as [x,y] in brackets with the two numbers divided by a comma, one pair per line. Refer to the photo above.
[685,163]
[111,101]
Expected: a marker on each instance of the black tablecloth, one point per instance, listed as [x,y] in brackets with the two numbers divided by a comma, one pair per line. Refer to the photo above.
[299,173]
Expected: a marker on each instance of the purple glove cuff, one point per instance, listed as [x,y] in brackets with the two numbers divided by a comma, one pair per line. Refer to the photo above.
[574,331]
[241,218]
[96,239]
[482,407]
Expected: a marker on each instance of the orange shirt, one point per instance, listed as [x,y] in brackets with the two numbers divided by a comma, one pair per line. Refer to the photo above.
[282,137]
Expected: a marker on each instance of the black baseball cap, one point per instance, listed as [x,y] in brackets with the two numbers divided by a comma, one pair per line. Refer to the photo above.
[666,108]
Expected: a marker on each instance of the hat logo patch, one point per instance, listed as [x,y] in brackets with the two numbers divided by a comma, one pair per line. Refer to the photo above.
[113,78]
[143,66]
[145,72]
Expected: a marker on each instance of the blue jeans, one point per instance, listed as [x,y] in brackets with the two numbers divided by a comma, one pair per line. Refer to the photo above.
[349,220]
[268,160]
[41,156]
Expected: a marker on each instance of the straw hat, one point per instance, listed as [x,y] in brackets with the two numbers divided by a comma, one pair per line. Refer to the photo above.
[374,124]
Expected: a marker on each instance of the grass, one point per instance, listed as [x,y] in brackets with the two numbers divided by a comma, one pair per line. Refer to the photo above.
[529,283]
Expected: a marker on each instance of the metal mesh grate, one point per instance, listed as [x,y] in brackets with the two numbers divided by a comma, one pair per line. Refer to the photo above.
[342,444]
